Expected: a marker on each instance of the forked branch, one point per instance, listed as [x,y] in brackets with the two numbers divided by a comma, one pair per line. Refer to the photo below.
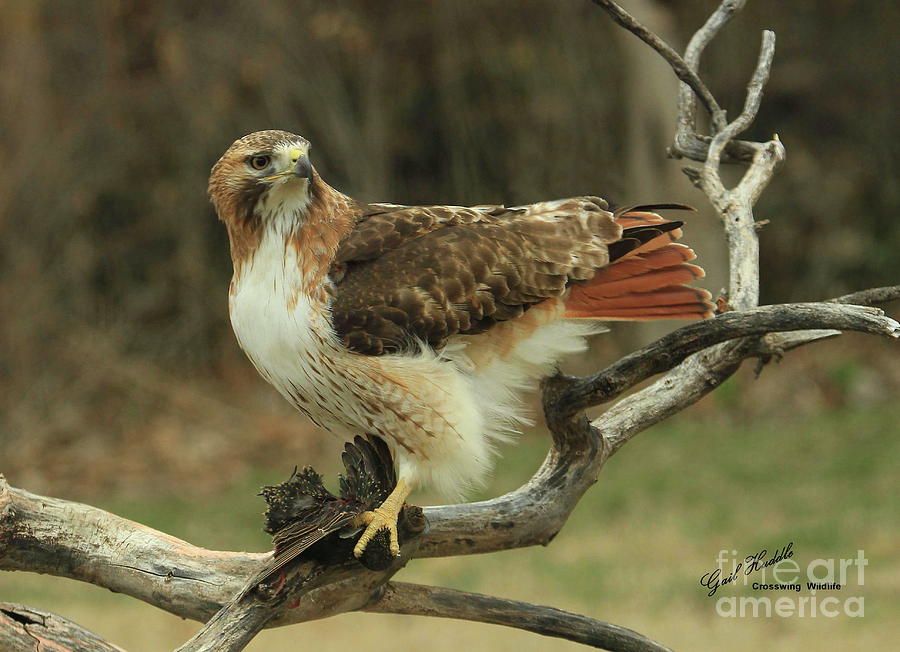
[684,72]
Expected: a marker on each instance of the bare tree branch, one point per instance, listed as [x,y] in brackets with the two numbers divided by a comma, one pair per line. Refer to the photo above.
[27,629]
[684,72]
[706,370]
[67,539]
[336,588]
[688,143]
[683,386]
[418,600]
[871,297]
[775,345]
[667,351]
[754,96]
[694,50]
[735,206]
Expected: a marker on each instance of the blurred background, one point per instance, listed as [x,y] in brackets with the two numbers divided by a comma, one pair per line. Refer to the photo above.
[122,384]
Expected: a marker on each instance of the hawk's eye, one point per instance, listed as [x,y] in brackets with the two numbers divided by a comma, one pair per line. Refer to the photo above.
[260,161]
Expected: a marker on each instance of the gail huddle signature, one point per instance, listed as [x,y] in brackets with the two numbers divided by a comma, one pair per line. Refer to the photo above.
[714,578]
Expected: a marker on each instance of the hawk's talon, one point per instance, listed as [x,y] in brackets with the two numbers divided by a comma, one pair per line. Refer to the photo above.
[375,521]
[383,518]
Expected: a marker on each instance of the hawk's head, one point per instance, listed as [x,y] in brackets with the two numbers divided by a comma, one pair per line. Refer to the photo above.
[262,176]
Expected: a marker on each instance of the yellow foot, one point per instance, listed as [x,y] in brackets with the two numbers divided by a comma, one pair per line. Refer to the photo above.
[375,521]
[383,518]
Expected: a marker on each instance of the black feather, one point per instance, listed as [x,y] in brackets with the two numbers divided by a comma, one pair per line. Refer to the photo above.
[636,236]
[309,522]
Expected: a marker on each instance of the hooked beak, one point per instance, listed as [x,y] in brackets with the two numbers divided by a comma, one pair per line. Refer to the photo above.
[301,167]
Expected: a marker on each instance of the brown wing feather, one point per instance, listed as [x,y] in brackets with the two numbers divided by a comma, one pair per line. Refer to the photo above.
[383,227]
[299,536]
[431,272]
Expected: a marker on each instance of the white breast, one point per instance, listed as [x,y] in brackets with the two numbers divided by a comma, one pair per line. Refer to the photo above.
[285,335]
[259,311]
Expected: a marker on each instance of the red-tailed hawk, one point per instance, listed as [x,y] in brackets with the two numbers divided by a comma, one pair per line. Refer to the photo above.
[425,324]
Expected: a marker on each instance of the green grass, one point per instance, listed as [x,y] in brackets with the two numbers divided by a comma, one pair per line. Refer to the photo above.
[631,553]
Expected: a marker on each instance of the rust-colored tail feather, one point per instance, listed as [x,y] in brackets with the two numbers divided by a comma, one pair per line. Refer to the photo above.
[646,277]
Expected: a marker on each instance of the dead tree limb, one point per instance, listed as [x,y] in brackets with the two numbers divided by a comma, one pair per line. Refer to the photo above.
[27,628]
[686,73]
[49,535]
[870,297]
[418,600]
[660,356]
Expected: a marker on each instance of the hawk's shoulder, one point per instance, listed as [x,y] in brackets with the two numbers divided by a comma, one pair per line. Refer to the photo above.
[382,227]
